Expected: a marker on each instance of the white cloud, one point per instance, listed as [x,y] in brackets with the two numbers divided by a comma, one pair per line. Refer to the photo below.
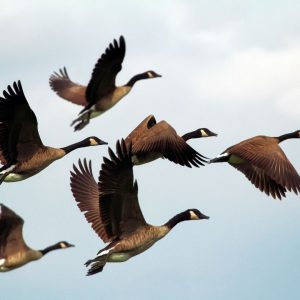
[253,75]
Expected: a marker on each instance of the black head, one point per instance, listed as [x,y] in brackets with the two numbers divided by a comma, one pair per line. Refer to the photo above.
[205,132]
[297,133]
[94,141]
[195,214]
[64,244]
[152,74]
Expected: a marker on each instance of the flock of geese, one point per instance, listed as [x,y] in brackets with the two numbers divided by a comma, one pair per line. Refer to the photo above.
[111,205]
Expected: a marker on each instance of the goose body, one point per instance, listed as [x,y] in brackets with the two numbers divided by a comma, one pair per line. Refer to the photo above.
[112,208]
[22,152]
[151,140]
[14,252]
[101,93]
[264,163]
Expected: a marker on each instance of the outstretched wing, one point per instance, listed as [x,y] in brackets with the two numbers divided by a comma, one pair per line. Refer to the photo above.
[19,136]
[105,71]
[85,191]
[265,154]
[162,138]
[261,180]
[119,207]
[64,87]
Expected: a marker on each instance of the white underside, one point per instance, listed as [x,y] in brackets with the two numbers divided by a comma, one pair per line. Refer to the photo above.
[2,261]
[13,177]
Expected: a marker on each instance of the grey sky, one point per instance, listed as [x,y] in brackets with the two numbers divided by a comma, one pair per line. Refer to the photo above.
[231,66]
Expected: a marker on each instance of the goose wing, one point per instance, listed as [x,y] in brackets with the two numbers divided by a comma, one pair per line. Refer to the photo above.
[162,138]
[105,71]
[85,191]
[265,154]
[19,136]
[119,207]
[64,87]
[261,180]
[11,238]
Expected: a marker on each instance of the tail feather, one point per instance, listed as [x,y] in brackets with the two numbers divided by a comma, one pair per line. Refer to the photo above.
[97,264]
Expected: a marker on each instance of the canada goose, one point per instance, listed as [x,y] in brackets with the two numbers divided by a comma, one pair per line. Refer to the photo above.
[21,150]
[101,93]
[151,140]
[14,252]
[113,209]
[264,163]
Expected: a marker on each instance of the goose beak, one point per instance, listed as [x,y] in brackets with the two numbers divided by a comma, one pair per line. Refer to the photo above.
[213,134]
[204,216]
[103,143]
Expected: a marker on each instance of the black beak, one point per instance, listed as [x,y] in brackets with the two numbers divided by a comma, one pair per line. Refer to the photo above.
[204,216]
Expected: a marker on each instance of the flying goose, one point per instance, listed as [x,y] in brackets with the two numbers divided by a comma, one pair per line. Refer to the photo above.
[22,152]
[112,208]
[101,93]
[14,252]
[264,163]
[151,140]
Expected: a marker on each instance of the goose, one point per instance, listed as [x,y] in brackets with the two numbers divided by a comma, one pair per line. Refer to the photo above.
[101,93]
[264,163]
[22,152]
[14,252]
[112,208]
[151,140]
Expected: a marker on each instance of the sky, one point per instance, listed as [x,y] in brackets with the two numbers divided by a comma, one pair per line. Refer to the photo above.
[230,66]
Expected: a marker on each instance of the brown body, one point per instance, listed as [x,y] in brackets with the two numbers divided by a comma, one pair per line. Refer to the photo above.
[264,163]
[101,93]
[112,208]
[22,152]
[151,140]
[14,252]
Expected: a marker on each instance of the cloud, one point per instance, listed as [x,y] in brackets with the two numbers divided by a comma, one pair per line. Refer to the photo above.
[254,75]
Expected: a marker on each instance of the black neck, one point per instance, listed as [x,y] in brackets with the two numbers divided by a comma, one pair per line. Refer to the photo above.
[72,147]
[50,248]
[292,135]
[184,216]
[191,135]
[137,77]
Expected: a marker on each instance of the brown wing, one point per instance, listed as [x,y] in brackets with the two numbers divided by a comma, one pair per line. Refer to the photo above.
[264,153]
[261,180]
[11,238]
[19,136]
[64,87]
[85,191]
[162,138]
[105,71]
[119,207]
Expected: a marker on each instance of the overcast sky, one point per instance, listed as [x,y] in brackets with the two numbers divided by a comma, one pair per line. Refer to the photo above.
[231,66]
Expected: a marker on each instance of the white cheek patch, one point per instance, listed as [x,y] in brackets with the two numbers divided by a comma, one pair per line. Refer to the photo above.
[63,245]
[2,261]
[193,216]
[203,133]
[150,75]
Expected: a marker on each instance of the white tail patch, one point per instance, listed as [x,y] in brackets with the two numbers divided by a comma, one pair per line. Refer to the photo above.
[223,155]
[8,169]
[104,252]
[2,261]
